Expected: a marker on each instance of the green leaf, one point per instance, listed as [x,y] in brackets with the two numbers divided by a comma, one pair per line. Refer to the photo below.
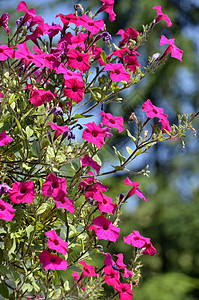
[120,156]
[131,137]
[18,124]
[42,208]
[35,148]
[29,132]
[29,229]
[103,56]
[129,150]
[78,116]
[4,290]
[62,216]
[66,286]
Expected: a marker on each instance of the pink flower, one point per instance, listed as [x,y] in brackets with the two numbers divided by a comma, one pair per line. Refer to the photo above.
[153,111]
[161,16]
[91,25]
[88,161]
[39,97]
[66,19]
[111,121]
[129,34]
[165,125]
[76,277]
[175,51]
[131,62]
[104,229]
[118,72]
[4,22]
[78,60]
[134,190]
[6,52]
[22,192]
[63,202]
[52,262]
[58,129]
[5,139]
[30,14]
[112,277]
[119,261]
[138,241]
[105,203]
[56,243]
[87,270]
[125,292]
[94,134]
[6,211]
[53,185]
[108,7]
[74,89]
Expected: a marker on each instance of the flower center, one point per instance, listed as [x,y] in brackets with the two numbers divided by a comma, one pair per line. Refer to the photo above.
[105,227]
[90,23]
[117,71]
[155,111]
[55,185]
[23,190]
[2,207]
[94,133]
[53,259]
[56,242]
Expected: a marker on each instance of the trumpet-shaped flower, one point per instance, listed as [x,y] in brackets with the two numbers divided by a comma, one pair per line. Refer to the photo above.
[104,229]
[74,89]
[111,121]
[58,129]
[94,134]
[88,270]
[53,185]
[153,111]
[63,202]
[161,16]
[88,161]
[175,51]
[118,72]
[56,243]
[134,190]
[22,192]
[52,262]
[5,139]
[6,211]
[108,7]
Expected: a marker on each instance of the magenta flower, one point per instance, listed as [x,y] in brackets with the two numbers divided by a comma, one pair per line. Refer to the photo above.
[63,202]
[6,52]
[118,72]
[88,161]
[76,277]
[165,126]
[108,7]
[5,139]
[66,19]
[105,203]
[56,243]
[111,121]
[30,14]
[175,51]
[74,89]
[92,26]
[78,60]
[94,134]
[87,270]
[6,211]
[52,262]
[58,129]
[39,97]
[131,62]
[125,292]
[138,241]
[22,192]
[4,22]
[53,185]
[134,190]
[128,34]
[112,277]
[104,229]
[119,261]
[161,16]
[153,111]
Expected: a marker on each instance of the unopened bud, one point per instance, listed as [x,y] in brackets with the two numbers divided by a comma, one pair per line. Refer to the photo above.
[133,117]
[145,134]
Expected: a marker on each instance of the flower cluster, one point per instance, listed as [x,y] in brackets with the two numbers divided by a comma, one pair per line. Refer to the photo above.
[45,92]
